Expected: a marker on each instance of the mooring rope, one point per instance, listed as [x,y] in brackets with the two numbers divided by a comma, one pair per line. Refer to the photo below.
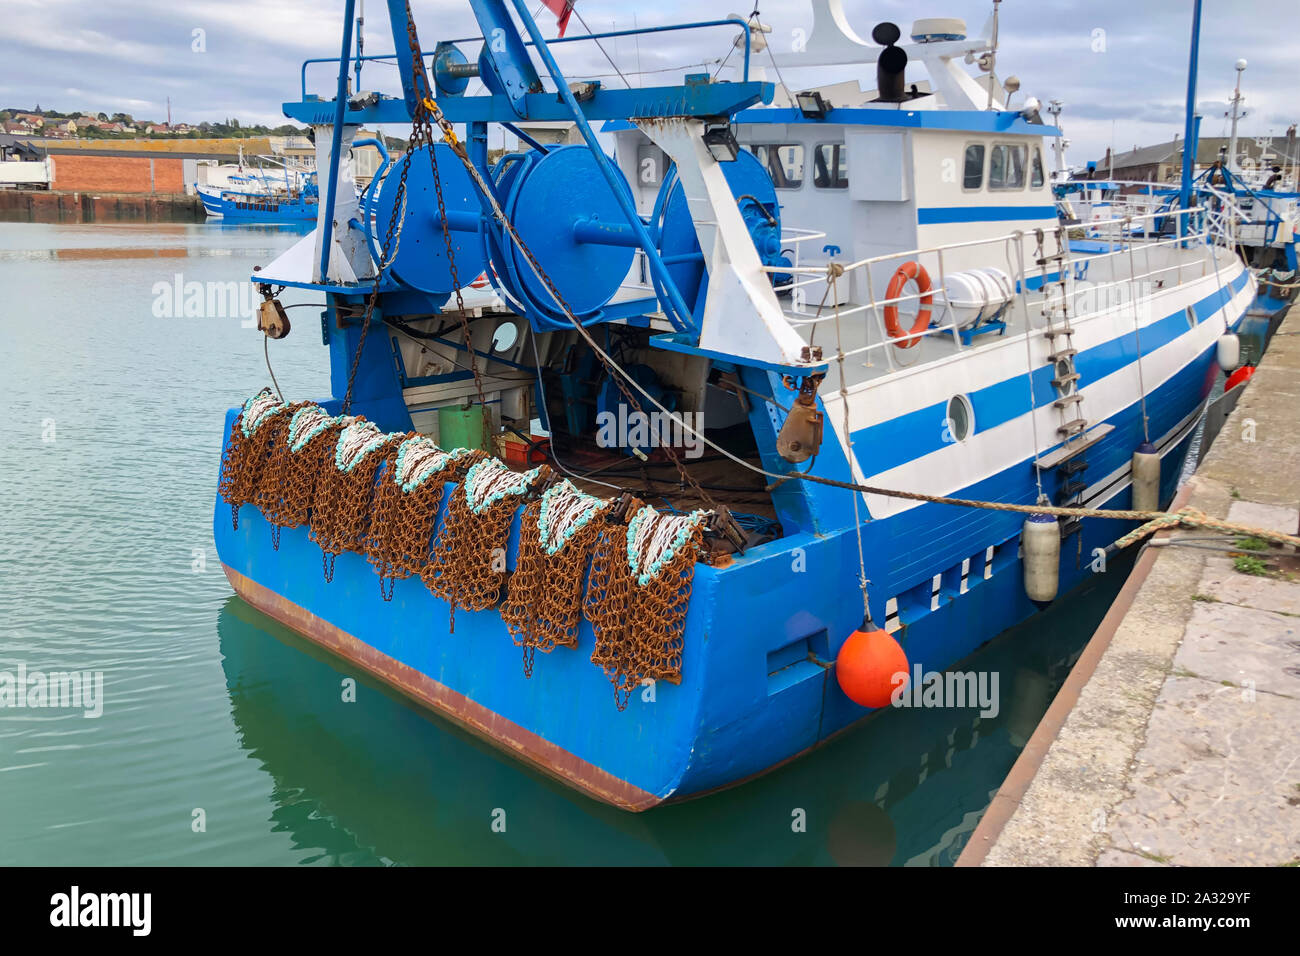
[1277,285]
[1153,521]
[1137,338]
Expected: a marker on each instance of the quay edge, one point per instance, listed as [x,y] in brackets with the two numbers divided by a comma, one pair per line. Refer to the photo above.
[1147,720]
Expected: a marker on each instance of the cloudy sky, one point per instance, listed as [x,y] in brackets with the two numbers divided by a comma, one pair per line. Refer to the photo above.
[1120,66]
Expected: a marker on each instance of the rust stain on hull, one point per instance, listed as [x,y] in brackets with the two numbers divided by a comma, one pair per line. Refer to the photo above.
[473,716]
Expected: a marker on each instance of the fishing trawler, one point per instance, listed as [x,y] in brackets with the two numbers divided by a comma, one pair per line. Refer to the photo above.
[243,193]
[708,433]
[1252,201]
[248,203]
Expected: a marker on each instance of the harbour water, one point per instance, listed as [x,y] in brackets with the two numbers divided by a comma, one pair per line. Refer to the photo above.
[224,738]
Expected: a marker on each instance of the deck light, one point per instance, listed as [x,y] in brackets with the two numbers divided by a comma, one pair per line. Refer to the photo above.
[721,142]
[812,104]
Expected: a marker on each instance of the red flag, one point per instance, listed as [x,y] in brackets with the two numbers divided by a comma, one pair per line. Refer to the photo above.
[562,9]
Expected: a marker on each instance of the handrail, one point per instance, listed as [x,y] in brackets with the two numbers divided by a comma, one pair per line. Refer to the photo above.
[1106,294]
[969,243]
[371,188]
[818,273]
[666,28]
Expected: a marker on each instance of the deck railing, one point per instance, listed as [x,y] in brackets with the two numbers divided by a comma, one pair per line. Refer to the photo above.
[1129,260]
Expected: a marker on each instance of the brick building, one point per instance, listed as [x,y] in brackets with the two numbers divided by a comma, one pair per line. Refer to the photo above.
[119,174]
[140,167]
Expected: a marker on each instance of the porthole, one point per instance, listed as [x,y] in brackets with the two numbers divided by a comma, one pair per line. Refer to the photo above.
[961,418]
[505,336]
[1191,316]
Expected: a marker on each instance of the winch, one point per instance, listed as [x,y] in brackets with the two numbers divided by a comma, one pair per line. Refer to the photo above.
[675,234]
[572,224]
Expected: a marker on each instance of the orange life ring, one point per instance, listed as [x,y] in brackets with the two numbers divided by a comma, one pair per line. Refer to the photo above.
[909,271]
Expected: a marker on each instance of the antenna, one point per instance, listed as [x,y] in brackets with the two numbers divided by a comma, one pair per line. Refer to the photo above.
[1059,143]
[1237,113]
[361,40]
[993,52]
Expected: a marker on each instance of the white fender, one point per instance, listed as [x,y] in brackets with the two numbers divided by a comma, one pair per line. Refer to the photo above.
[1040,540]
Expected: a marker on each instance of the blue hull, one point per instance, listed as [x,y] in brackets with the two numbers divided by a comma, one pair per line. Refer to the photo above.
[750,697]
[260,209]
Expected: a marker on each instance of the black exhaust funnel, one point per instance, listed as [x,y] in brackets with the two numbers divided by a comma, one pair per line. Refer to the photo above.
[890,64]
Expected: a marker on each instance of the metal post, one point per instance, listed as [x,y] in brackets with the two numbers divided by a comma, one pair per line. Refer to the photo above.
[1189,127]
[361,40]
[336,142]
[1058,142]
[408,64]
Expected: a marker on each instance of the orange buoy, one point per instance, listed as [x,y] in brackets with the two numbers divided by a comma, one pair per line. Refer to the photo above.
[1239,377]
[909,272]
[866,667]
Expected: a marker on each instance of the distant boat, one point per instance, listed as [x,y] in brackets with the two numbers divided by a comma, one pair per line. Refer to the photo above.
[254,205]
[251,194]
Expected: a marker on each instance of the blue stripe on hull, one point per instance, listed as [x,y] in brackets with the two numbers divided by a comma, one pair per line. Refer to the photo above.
[941,215]
[284,212]
[896,441]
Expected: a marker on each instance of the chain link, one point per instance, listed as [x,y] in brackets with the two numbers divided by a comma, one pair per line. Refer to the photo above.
[426,111]
[614,372]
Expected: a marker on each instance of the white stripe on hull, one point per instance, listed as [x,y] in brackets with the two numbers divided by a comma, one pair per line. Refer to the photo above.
[990,451]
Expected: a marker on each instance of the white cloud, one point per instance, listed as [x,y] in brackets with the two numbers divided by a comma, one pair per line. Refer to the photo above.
[130,55]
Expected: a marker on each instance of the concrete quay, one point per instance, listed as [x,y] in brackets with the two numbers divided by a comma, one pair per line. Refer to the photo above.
[1176,739]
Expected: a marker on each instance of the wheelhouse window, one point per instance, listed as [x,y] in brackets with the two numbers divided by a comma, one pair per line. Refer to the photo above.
[784,162]
[973,171]
[1036,171]
[831,166]
[1007,167]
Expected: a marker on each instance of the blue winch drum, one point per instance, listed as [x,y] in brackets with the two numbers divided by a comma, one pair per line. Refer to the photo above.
[675,230]
[570,219]
[421,260]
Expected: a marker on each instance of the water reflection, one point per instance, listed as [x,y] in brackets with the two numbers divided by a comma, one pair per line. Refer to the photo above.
[380,781]
[293,227]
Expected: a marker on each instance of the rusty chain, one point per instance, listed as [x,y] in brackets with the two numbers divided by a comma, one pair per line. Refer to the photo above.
[426,110]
